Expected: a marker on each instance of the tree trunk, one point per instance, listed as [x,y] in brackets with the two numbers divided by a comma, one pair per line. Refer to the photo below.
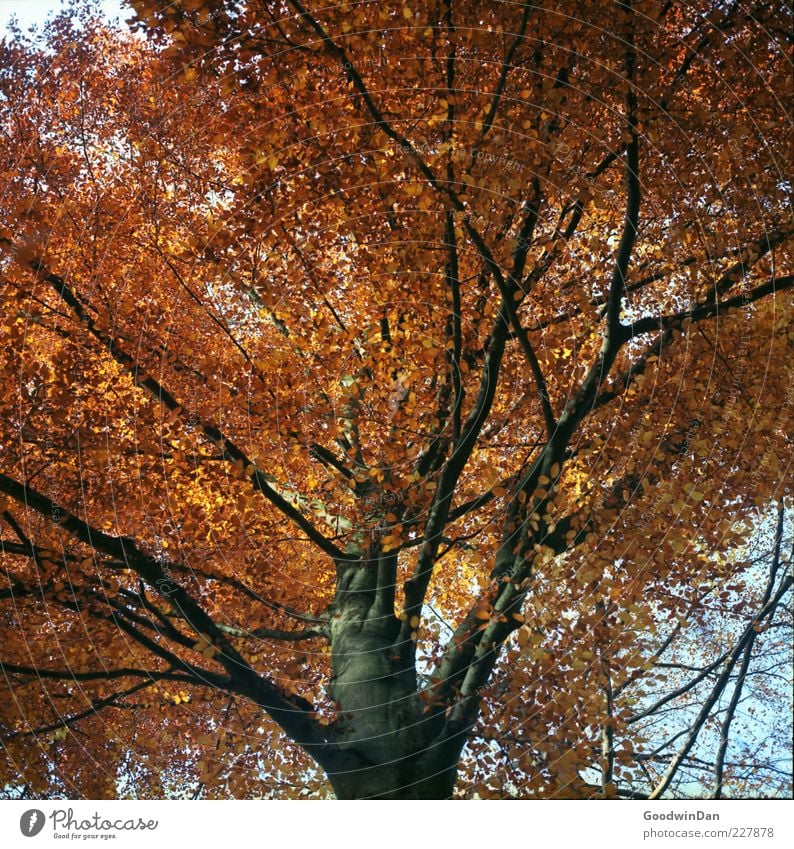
[408,778]
[388,747]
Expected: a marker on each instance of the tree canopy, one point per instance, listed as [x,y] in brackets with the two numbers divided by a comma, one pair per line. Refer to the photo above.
[397,400]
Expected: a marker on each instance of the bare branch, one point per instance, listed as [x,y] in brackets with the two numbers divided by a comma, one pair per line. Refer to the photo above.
[725,728]
[746,639]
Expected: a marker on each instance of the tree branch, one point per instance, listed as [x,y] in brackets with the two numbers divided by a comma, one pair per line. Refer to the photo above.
[105,674]
[725,728]
[694,730]
[505,70]
[291,712]
[96,706]
[259,480]
[710,309]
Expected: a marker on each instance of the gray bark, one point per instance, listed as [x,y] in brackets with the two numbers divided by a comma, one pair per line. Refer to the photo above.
[388,747]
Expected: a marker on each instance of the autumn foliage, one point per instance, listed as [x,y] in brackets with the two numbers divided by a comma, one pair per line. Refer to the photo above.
[396,396]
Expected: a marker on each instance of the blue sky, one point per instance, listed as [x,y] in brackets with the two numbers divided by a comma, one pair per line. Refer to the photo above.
[30,12]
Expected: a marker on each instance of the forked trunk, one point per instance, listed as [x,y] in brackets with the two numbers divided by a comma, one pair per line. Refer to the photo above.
[389,747]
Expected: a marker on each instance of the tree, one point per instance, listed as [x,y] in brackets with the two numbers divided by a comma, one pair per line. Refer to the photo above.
[392,394]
